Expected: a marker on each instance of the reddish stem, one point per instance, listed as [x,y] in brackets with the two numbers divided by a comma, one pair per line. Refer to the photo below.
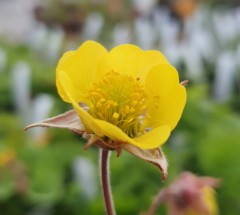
[104,174]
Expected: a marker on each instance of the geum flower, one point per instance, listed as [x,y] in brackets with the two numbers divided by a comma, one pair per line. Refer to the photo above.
[123,99]
[188,195]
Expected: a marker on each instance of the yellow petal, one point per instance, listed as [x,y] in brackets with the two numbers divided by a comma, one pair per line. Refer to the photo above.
[131,60]
[154,138]
[151,140]
[81,68]
[65,56]
[113,132]
[210,201]
[166,97]
[88,121]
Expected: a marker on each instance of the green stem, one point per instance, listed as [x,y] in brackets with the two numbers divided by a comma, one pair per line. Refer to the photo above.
[104,174]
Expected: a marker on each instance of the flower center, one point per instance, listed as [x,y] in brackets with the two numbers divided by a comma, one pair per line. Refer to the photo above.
[120,100]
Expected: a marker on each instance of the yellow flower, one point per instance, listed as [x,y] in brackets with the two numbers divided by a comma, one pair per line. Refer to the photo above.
[123,99]
[188,195]
[209,199]
[132,96]
[204,204]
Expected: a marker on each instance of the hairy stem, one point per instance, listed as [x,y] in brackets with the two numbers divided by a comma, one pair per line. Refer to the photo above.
[104,174]
[155,204]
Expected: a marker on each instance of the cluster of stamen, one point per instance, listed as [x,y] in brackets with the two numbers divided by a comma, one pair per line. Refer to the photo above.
[120,100]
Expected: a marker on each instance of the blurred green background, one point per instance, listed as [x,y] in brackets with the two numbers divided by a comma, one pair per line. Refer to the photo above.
[47,172]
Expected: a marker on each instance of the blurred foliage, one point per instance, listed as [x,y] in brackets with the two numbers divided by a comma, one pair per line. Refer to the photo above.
[40,72]
[208,135]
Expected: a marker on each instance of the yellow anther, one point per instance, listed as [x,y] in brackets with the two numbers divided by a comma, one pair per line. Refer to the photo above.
[115,115]
[134,103]
[132,110]
[124,110]
[135,96]
[130,120]
[99,104]
[119,99]
[94,93]
[102,100]
[111,103]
